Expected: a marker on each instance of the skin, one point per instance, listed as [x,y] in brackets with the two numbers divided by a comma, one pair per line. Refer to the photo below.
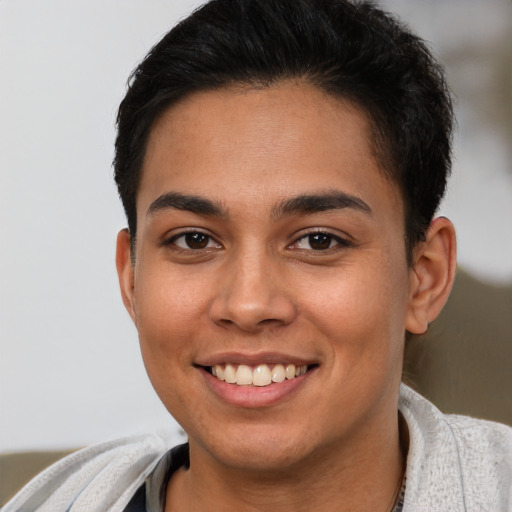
[262,289]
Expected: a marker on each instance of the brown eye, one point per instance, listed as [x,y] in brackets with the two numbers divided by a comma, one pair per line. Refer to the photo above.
[194,240]
[320,241]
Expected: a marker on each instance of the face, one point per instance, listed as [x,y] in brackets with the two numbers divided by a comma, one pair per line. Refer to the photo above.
[269,244]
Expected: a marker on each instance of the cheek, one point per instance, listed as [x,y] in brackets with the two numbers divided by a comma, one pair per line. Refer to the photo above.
[168,323]
[169,311]
[363,308]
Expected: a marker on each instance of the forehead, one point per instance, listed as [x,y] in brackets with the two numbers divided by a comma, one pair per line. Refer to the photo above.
[264,144]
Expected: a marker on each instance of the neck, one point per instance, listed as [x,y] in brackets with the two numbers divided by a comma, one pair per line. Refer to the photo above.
[359,477]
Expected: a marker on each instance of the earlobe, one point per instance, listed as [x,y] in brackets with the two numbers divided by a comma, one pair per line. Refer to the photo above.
[125,270]
[432,275]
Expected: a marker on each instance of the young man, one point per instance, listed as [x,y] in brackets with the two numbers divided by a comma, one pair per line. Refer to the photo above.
[280,163]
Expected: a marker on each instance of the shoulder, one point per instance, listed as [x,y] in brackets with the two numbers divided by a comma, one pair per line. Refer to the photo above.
[482,435]
[455,462]
[476,439]
[484,449]
[102,477]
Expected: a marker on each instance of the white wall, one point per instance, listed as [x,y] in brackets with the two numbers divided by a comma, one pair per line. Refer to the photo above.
[70,370]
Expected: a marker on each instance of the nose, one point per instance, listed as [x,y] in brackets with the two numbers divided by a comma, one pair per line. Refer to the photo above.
[253,294]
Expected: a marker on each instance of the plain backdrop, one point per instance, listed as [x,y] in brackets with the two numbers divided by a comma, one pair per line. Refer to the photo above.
[70,368]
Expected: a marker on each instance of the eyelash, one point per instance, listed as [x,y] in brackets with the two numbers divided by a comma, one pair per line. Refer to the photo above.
[209,239]
[328,238]
[324,238]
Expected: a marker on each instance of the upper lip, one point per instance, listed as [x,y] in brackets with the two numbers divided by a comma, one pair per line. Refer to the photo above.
[253,359]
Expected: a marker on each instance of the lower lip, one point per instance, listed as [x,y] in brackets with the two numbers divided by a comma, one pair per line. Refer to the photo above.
[255,396]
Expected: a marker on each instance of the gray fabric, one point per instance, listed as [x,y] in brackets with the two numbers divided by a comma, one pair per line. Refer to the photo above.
[455,463]
[96,479]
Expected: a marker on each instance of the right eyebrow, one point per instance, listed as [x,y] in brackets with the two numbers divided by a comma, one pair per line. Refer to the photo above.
[190,203]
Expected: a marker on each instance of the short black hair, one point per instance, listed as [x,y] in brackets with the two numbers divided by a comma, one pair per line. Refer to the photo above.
[350,49]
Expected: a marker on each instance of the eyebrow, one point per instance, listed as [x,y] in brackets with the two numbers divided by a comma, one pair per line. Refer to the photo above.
[314,203]
[302,204]
[190,203]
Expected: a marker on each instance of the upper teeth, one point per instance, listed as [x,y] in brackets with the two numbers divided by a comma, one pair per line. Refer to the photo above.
[261,375]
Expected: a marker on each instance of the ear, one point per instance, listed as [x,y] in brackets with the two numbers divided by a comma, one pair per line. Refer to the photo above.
[125,270]
[432,275]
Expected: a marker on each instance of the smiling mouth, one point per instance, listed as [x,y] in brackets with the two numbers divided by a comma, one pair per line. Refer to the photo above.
[259,375]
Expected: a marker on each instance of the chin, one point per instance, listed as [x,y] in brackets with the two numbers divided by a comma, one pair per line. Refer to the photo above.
[259,450]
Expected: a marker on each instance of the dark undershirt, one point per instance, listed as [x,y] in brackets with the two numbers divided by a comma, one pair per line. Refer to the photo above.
[178,457]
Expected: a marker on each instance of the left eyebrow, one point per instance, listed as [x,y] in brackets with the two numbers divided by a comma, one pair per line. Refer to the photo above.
[314,203]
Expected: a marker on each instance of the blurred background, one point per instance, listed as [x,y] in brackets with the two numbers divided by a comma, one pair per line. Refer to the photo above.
[70,368]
